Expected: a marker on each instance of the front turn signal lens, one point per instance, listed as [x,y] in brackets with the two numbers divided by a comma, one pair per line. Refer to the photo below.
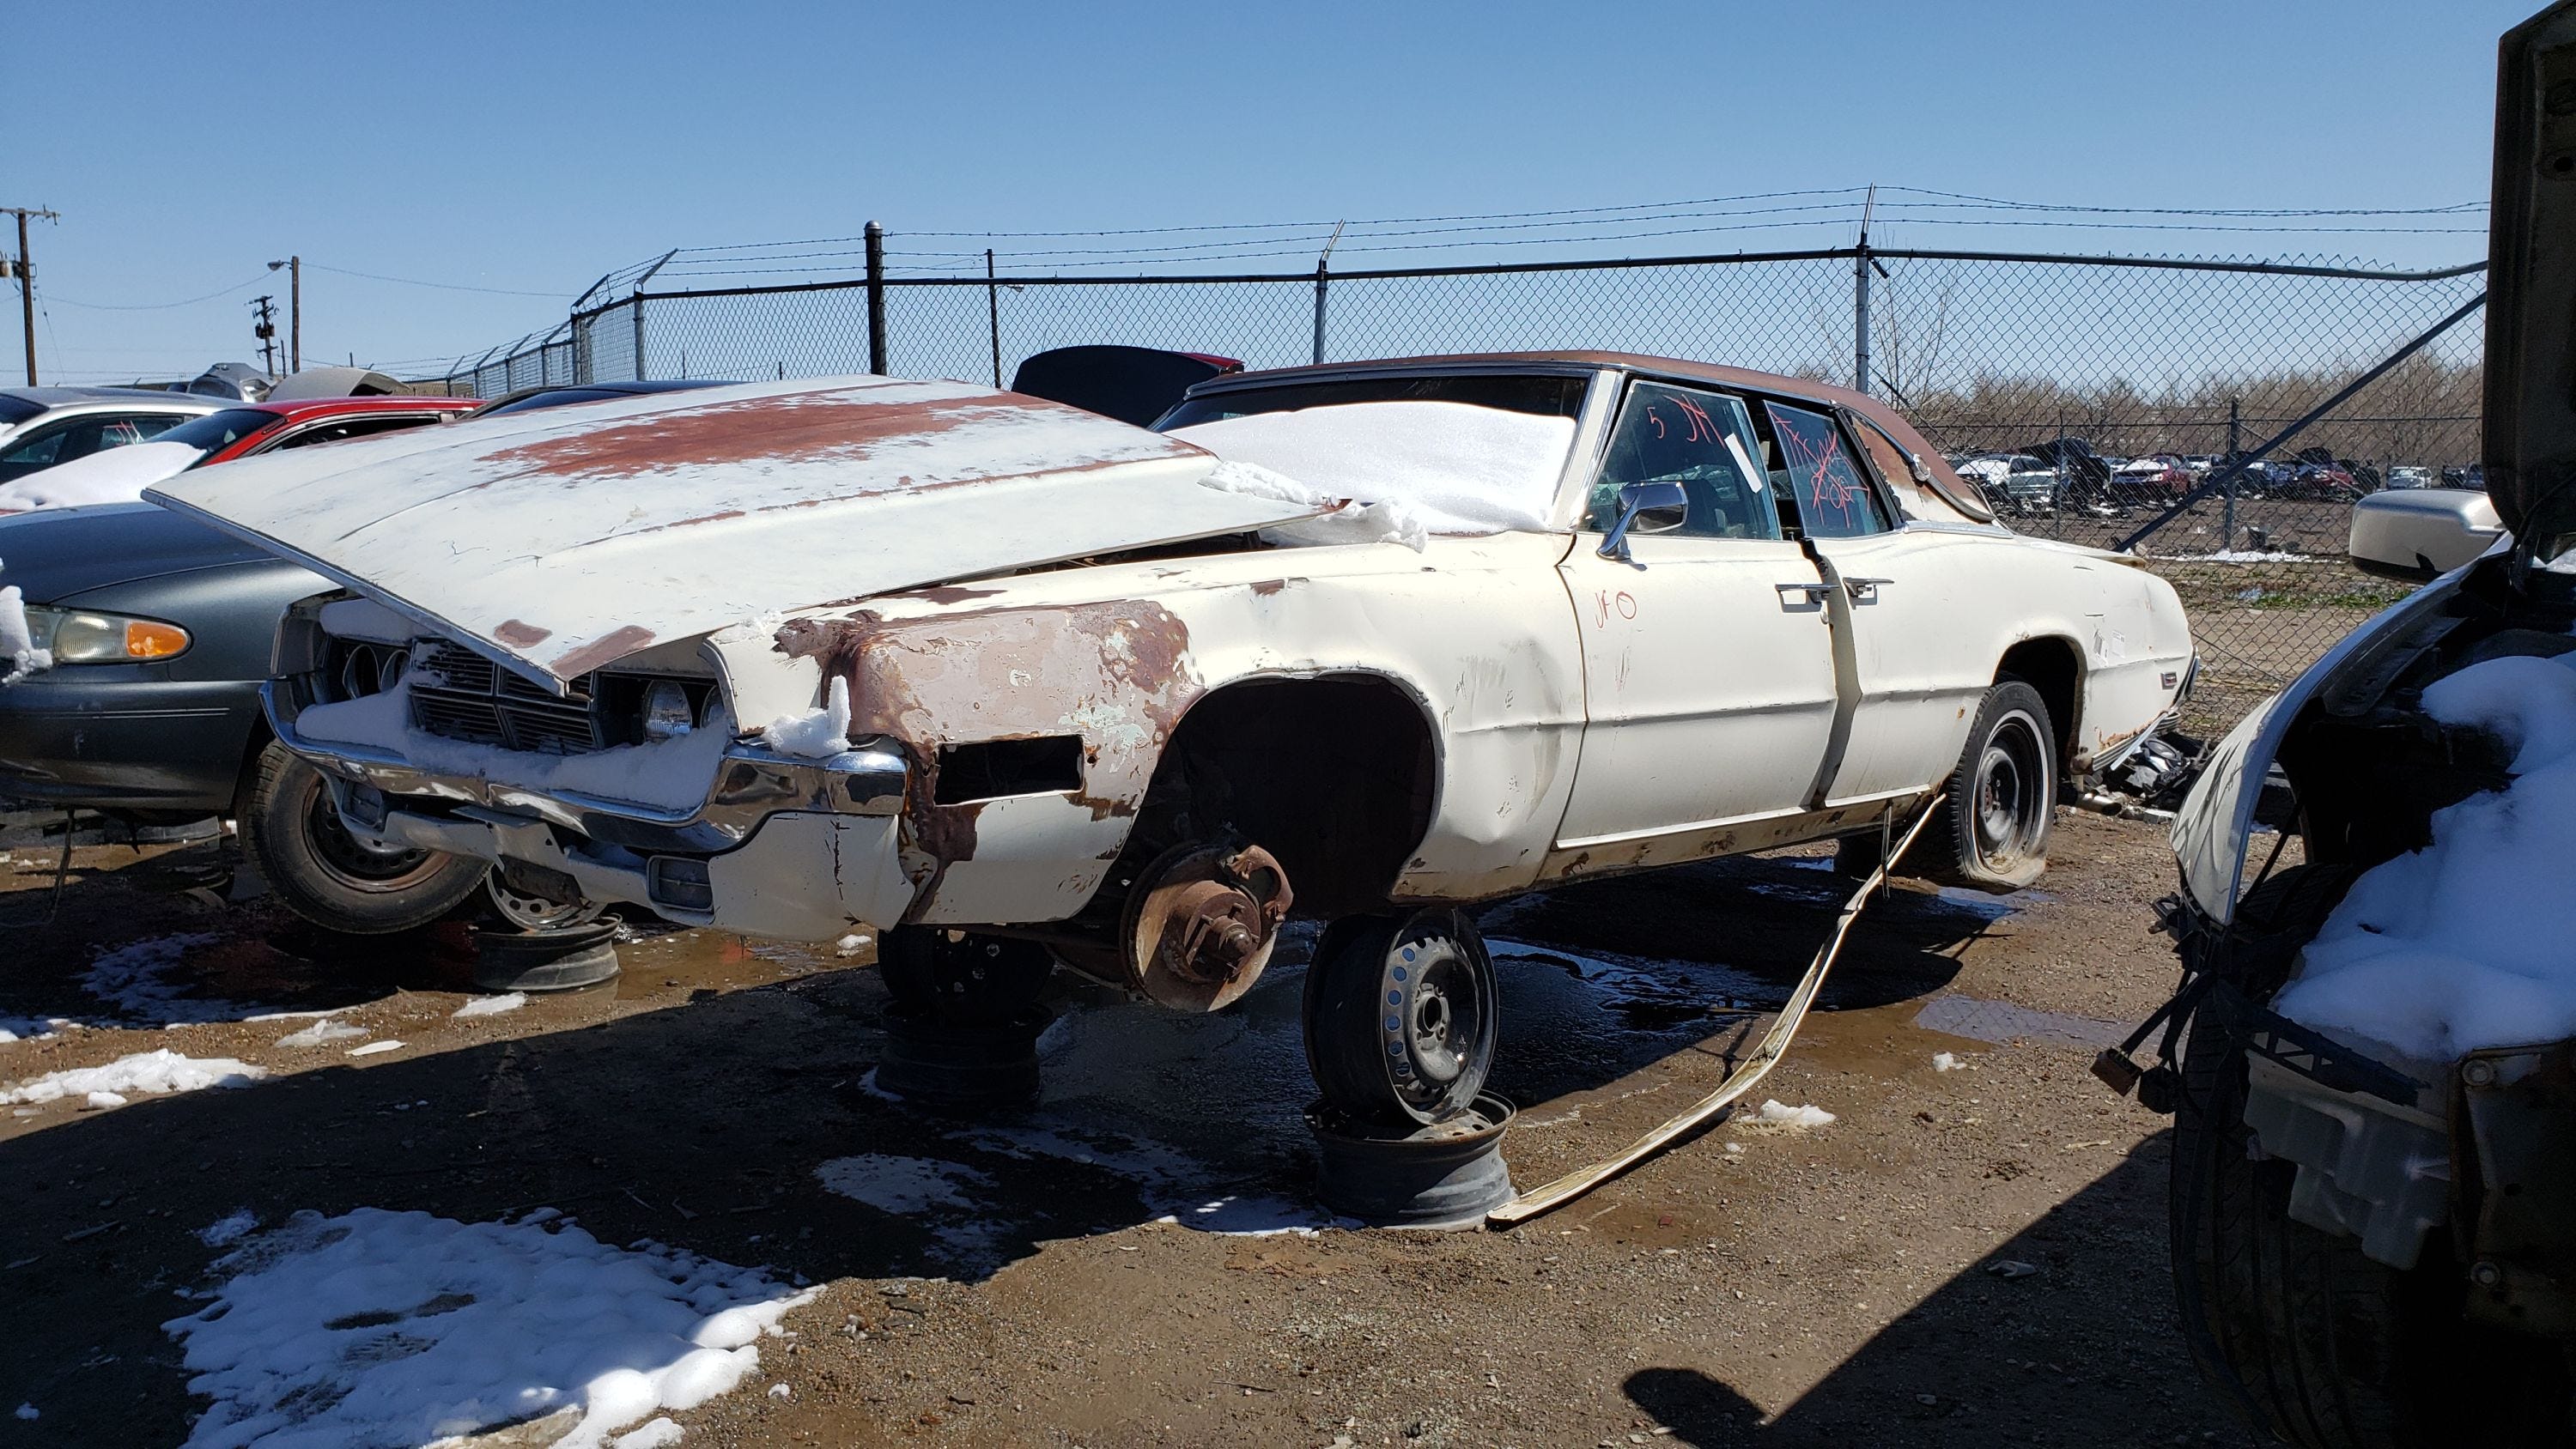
[77,636]
[151,639]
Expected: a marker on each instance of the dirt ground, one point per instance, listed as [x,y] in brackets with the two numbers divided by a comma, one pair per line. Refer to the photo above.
[1843,1285]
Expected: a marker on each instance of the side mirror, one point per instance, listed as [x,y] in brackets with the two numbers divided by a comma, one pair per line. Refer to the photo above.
[2417,533]
[1653,507]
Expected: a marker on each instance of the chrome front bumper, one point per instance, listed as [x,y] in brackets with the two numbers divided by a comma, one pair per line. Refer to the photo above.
[781,845]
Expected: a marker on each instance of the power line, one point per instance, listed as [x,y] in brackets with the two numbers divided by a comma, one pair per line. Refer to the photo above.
[442,286]
[156,306]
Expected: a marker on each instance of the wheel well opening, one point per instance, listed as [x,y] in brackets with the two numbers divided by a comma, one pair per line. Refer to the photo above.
[1334,775]
[2052,667]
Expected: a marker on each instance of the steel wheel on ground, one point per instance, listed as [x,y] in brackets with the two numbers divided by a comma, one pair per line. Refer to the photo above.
[525,912]
[330,877]
[959,977]
[1401,1016]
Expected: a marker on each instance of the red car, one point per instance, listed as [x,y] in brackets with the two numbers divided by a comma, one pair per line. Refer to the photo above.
[119,475]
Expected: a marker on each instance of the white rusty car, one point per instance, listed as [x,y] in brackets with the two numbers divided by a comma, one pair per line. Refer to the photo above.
[1020,686]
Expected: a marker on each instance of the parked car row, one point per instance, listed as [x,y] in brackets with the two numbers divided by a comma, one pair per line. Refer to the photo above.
[2067,476]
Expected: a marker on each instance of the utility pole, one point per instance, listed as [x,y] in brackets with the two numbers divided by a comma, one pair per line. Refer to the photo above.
[266,330]
[294,311]
[25,271]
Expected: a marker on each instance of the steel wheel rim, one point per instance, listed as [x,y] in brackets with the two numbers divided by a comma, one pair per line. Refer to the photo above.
[2012,791]
[536,913]
[1434,1019]
[351,863]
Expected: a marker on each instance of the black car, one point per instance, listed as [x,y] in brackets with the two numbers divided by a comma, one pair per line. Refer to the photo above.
[160,630]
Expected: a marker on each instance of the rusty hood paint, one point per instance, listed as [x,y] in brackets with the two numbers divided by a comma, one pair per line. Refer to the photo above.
[559,541]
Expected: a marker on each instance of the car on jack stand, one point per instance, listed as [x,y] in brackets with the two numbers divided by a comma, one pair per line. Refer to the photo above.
[1017,686]
[2372,1059]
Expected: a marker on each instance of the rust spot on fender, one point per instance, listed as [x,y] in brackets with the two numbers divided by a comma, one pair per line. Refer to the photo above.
[1115,673]
[848,426]
[614,645]
[1267,587]
[521,635]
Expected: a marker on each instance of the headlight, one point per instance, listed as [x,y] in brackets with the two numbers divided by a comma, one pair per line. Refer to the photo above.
[667,714]
[77,636]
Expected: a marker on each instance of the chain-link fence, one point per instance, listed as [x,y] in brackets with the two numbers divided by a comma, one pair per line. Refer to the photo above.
[2089,396]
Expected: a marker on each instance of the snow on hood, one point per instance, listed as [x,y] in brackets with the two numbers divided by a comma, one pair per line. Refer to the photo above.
[559,541]
[1455,467]
[2464,944]
[111,475]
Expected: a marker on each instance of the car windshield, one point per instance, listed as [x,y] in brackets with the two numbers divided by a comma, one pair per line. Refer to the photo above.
[1461,454]
[219,429]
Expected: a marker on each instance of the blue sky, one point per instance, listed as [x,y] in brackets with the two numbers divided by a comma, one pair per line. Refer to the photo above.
[527,149]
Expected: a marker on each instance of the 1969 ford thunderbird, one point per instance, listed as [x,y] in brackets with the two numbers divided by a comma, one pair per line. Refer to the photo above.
[1020,686]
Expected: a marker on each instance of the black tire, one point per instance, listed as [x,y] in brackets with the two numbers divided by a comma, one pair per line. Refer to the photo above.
[2312,1341]
[1999,803]
[961,978]
[323,873]
[1401,1017]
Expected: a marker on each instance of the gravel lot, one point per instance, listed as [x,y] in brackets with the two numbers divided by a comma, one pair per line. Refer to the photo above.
[1048,1283]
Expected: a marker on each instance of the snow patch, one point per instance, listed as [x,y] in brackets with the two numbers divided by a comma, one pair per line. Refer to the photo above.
[111,475]
[1345,520]
[2464,944]
[229,1229]
[28,1411]
[1795,1119]
[912,1187]
[101,1101]
[493,1005]
[1946,1062]
[322,1033]
[17,644]
[144,1073]
[379,1327]
[375,1048]
[665,773]
[135,979]
[659,1433]
[33,1028]
[1456,467]
[816,734]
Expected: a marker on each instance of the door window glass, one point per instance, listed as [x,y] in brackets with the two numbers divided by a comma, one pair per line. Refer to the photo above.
[333,432]
[78,437]
[1817,469]
[1702,440]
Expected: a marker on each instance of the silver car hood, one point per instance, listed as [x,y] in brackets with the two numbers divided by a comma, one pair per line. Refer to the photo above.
[558,541]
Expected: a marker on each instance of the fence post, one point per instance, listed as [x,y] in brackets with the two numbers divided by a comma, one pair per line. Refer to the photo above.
[993,312]
[638,305]
[1323,282]
[2235,433]
[1860,316]
[1860,296]
[876,299]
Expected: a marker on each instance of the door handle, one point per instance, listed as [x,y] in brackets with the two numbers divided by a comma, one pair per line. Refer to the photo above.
[1864,588]
[1816,593]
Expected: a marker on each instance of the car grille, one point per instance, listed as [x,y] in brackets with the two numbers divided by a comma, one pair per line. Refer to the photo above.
[474,699]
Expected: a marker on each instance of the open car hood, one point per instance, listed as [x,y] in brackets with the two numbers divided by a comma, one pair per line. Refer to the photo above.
[2531,279]
[559,541]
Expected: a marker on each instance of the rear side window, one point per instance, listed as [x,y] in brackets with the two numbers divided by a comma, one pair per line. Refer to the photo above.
[78,437]
[1820,475]
[345,428]
[220,429]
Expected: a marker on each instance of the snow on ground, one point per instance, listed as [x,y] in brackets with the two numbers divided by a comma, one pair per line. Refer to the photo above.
[493,1005]
[379,1327]
[1775,1113]
[229,1229]
[144,1073]
[322,1033]
[136,981]
[2465,943]
[31,1028]
[914,1187]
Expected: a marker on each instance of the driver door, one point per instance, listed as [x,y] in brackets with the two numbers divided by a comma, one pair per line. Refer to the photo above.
[1708,658]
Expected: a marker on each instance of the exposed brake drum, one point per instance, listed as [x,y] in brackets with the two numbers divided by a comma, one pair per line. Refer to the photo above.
[1200,923]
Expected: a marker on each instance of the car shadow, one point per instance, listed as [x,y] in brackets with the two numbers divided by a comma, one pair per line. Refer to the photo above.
[2083,1351]
[745,1126]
